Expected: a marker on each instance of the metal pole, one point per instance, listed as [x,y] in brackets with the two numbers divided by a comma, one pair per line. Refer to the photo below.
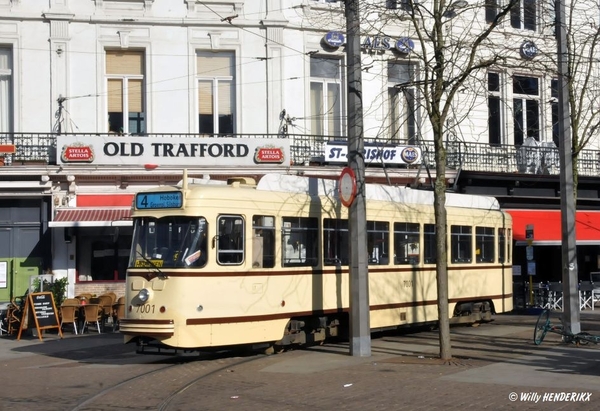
[567,196]
[360,332]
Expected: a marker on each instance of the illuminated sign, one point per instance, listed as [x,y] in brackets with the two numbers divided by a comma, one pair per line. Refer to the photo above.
[334,39]
[164,151]
[529,50]
[168,199]
[374,153]
[77,153]
[405,45]
[269,155]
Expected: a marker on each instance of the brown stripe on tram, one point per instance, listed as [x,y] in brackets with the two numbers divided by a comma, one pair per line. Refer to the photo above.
[130,321]
[270,317]
[279,272]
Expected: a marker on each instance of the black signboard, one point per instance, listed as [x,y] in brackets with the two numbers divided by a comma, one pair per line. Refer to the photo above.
[41,307]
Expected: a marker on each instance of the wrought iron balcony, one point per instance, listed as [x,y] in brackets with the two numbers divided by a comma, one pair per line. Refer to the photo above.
[40,148]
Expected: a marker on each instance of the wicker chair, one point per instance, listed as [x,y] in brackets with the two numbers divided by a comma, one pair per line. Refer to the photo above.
[93,315]
[68,314]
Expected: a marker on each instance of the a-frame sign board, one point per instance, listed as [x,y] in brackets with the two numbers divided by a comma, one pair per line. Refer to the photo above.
[41,308]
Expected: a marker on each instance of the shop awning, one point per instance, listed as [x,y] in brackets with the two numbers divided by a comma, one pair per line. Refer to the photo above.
[92,217]
[547,227]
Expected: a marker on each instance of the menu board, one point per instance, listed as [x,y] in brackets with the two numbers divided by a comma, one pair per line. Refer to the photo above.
[42,309]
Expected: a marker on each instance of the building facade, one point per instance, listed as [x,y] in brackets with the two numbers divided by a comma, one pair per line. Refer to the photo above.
[86,84]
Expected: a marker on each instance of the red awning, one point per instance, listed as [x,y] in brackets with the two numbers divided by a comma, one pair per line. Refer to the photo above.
[92,217]
[547,226]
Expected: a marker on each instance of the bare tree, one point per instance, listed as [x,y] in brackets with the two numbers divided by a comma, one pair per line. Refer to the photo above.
[453,42]
[582,43]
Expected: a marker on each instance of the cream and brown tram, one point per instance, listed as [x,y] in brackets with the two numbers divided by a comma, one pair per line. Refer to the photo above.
[217,264]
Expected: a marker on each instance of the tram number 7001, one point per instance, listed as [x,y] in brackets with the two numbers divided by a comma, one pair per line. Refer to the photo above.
[145,309]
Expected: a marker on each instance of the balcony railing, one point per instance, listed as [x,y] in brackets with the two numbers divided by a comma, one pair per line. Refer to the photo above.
[40,148]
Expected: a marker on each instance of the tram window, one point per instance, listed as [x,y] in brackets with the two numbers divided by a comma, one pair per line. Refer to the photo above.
[378,240]
[300,241]
[335,242]
[484,244]
[502,245]
[461,242]
[429,244]
[406,243]
[263,241]
[230,240]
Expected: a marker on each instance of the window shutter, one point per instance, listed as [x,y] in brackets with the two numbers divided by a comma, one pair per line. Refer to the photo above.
[205,97]
[124,62]
[115,96]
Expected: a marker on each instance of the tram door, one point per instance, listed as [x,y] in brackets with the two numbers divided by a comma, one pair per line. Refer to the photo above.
[19,260]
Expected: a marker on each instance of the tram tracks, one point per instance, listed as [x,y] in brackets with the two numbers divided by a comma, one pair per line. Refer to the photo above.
[160,388]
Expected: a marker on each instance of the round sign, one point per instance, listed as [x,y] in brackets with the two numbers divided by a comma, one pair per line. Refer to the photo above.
[334,39]
[405,45]
[347,186]
[528,49]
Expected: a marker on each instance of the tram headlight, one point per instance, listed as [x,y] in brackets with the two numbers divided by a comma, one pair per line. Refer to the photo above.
[144,295]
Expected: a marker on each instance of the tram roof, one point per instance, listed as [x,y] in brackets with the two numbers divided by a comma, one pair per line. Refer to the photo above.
[374,192]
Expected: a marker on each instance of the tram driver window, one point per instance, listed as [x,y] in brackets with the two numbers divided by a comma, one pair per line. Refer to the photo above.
[378,242]
[484,244]
[263,241]
[461,243]
[300,241]
[230,240]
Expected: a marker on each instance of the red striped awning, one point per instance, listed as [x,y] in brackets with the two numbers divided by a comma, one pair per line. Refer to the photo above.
[92,217]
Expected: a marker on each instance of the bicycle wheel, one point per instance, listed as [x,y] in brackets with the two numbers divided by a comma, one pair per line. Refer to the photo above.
[583,338]
[541,327]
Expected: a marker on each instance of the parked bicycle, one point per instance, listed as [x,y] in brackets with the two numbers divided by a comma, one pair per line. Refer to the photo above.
[544,325]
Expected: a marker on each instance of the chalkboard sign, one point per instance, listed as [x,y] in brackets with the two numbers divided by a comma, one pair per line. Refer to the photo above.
[41,307]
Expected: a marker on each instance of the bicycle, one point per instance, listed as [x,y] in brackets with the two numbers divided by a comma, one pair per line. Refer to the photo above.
[543,326]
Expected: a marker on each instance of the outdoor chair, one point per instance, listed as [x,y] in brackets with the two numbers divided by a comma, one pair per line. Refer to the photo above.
[586,295]
[68,314]
[555,296]
[106,302]
[84,296]
[93,315]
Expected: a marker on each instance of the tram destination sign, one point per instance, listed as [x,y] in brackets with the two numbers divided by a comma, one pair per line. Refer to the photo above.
[168,199]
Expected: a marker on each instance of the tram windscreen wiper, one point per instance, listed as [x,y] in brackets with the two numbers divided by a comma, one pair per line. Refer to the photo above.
[151,264]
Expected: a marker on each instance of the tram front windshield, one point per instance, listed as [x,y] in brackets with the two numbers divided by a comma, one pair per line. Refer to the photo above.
[169,242]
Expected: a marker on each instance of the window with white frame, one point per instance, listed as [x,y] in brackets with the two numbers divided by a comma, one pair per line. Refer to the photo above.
[526,108]
[406,5]
[126,91]
[494,109]
[554,107]
[523,15]
[6,93]
[325,96]
[402,107]
[216,92]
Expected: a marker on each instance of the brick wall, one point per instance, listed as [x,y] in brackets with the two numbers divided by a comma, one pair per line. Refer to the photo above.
[100,288]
